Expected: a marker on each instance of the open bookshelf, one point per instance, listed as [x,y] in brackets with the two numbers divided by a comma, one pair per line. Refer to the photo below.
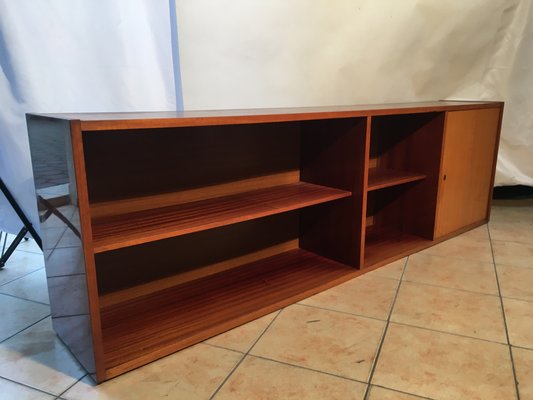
[401,193]
[183,225]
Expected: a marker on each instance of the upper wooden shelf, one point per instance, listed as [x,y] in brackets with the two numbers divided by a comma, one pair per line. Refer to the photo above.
[172,119]
[117,231]
[379,178]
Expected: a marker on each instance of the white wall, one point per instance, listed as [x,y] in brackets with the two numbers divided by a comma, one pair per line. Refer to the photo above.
[275,53]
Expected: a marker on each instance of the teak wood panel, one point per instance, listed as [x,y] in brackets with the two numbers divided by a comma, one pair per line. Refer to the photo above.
[169,119]
[333,154]
[186,315]
[118,231]
[130,160]
[188,257]
[409,144]
[382,178]
[470,144]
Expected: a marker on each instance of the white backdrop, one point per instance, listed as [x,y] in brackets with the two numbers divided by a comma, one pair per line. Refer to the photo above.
[122,55]
[256,53]
[77,56]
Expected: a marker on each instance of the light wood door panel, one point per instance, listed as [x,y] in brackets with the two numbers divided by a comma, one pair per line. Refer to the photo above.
[470,142]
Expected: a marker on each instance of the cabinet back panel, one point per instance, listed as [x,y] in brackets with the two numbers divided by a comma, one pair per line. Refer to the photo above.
[411,143]
[152,161]
[196,254]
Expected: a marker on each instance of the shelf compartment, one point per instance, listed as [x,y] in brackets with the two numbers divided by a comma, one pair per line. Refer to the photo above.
[134,334]
[130,229]
[380,178]
[384,245]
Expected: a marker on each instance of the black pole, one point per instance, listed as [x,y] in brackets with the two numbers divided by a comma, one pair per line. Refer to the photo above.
[20,213]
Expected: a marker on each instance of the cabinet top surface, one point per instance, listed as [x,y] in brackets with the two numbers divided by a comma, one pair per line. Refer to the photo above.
[162,119]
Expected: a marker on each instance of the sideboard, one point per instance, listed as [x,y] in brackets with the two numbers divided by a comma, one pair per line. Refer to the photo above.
[167,228]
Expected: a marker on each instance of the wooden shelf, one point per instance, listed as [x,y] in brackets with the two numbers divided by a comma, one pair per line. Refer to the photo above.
[151,326]
[379,178]
[114,232]
[382,245]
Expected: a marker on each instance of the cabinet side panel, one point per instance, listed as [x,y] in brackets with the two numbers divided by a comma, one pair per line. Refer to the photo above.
[59,214]
[470,143]
[333,154]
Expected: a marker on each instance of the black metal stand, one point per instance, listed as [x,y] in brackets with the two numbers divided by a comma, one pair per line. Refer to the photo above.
[25,229]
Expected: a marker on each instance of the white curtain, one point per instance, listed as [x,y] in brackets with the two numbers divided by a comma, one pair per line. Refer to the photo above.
[78,56]
[256,53]
[122,55]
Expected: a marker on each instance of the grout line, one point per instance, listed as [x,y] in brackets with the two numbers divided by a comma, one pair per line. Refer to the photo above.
[522,347]
[27,327]
[400,391]
[22,298]
[513,241]
[517,299]
[244,356]
[447,333]
[513,265]
[221,347]
[451,288]
[447,257]
[71,386]
[380,345]
[28,386]
[340,312]
[504,318]
[22,276]
[308,369]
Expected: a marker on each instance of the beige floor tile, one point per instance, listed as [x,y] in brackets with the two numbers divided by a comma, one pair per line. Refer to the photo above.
[370,296]
[393,270]
[10,390]
[36,357]
[378,393]
[244,336]
[30,287]
[323,340]
[19,264]
[466,247]
[451,272]
[512,211]
[258,379]
[17,314]
[450,310]
[510,253]
[443,366]
[479,233]
[512,231]
[516,282]
[523,362]
[519,316]
[193,373]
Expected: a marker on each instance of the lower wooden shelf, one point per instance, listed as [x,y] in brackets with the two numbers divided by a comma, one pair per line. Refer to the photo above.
[387,244]
[149,327]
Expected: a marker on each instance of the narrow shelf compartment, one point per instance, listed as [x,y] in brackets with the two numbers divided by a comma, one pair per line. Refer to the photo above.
[387,244]
[117,231]
[134,334]
[379,178]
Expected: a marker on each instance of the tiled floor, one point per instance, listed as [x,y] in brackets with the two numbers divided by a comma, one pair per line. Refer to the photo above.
[452,322]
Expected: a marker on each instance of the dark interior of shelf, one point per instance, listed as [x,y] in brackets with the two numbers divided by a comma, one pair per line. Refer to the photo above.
[144,226]
[379,178]
[208,306]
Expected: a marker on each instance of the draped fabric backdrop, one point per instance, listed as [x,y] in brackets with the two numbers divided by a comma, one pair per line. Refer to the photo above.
[77,56]
[122,55]
[255,53]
